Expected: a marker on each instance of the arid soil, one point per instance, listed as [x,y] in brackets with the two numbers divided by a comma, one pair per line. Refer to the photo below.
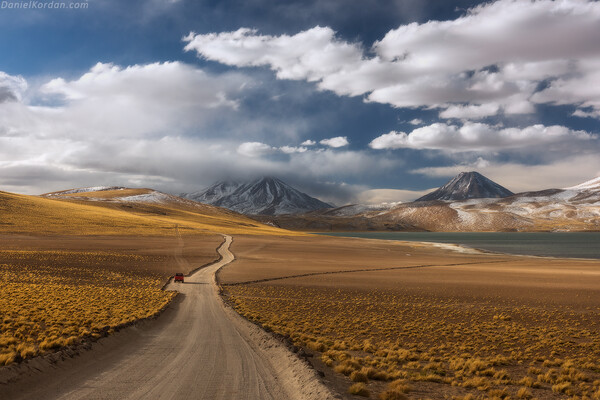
[159,252]
[65,291]
[199,349]
[408,319]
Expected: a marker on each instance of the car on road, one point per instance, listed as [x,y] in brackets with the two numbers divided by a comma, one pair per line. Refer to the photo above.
[178,277]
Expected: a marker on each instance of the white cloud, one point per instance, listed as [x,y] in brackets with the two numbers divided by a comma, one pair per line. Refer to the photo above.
[474,111]
[339,141]
[496,53]
[415,121]
[581,88]
[378,196]
[481,137]
[155,125]
[309,55]
[120,125]
[254,149]
[293,149]
[308,143]
[161,98]
[11,87]
[587,114]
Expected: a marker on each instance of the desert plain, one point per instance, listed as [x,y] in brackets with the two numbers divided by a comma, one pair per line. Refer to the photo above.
[412,320]
[376,319]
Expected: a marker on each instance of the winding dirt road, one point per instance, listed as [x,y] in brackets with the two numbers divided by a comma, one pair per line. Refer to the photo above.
[199,351]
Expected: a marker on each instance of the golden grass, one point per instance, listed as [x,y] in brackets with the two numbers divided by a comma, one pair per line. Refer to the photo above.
[488,350]
[34,215]
[55,298]
[44,306]
[359,389]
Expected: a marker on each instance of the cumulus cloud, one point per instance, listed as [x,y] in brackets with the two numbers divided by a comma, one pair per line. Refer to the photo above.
[153,125]
[142,124]
[293,149]
[254,149]
[11,87]
[113,101]
[336,142]
[578,89]
[470,111]
[308,143]
[310,54]
[493,58]
[481,137]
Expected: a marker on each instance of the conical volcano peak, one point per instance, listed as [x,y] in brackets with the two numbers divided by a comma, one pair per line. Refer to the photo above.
[468,185]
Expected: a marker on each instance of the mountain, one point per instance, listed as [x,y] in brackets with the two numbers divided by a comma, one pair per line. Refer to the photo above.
[573,209]
[263,196]
[468,185]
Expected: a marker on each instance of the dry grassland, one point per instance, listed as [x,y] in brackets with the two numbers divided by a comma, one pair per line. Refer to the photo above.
[45,305]
[74,269]
[20,214]
[62,291]
[495,327]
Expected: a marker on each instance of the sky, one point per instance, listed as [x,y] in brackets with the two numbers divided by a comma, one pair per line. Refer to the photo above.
[371,101]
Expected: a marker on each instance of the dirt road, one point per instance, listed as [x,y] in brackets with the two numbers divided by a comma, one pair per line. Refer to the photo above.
[199,351]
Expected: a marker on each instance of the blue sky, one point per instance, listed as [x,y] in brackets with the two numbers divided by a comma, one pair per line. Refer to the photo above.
[362,101]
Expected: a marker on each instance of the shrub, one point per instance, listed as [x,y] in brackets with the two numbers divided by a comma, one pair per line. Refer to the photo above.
[359,376]
[561,387]
[359,389]
[524,393]
[396,390]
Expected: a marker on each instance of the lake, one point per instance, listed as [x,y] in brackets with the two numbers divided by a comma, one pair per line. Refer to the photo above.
[552,244]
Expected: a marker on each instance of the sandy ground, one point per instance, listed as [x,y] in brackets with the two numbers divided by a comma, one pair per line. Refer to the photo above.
[346,268]
[417,267]
[164,252]
[199,349]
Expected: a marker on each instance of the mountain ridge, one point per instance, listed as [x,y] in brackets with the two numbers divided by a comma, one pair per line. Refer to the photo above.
[572,209]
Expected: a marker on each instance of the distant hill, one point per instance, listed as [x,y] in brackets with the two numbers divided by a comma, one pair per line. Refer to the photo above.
[468,185]
[119,211]
[263,196]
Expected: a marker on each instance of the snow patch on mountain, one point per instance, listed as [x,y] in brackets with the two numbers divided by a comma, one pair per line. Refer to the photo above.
[593,184]
[152,197]
[89,189]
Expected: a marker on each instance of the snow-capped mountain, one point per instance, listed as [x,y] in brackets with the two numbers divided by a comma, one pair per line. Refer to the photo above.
[592,185]
[576,208]
[263,196]
[213,193]
[468,185]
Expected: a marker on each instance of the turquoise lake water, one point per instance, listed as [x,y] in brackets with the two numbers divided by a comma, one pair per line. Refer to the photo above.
[553,244]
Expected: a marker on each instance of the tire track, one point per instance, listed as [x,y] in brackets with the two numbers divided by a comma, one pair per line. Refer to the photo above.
[347,271]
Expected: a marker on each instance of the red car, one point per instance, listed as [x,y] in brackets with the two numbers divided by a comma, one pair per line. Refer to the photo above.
[178,277]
